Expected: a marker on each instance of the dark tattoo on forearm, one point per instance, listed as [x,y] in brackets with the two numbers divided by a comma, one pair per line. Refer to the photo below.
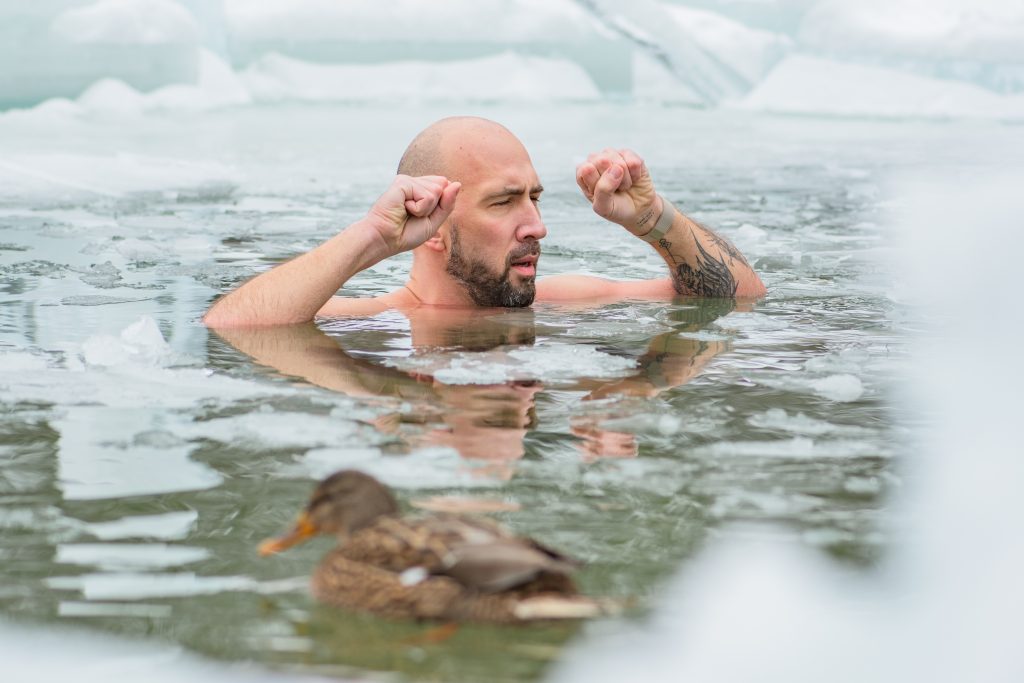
[711,277]
[724,245]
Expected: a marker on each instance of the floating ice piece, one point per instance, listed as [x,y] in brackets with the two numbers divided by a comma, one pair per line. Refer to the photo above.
[140,342]
[266,430]
[841,388]
[798,447]
[170,526]
[810,85]
[118,556]
[136,586]
[779,419]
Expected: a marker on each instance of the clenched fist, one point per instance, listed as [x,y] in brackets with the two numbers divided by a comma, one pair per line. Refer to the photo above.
[412,209]
[617,184]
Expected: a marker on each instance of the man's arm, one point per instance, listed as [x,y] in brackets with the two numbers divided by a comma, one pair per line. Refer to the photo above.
[405,216]
[701,262]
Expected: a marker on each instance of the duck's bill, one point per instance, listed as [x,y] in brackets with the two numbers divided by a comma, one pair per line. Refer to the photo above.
[303,529]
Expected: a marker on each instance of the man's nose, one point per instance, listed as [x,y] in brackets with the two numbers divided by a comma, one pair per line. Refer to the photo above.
[531,225]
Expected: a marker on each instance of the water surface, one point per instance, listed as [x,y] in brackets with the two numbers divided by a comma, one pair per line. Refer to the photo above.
[142,458]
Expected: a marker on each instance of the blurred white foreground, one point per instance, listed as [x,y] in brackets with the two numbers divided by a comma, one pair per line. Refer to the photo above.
[948,604]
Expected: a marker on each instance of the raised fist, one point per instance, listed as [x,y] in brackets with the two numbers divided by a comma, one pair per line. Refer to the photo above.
[617,184]
[412,209]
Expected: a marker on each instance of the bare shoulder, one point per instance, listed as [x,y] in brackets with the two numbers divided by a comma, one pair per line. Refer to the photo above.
[590,288]
[363,306]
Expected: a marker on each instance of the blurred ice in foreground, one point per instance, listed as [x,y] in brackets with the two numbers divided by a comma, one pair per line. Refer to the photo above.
[948,604]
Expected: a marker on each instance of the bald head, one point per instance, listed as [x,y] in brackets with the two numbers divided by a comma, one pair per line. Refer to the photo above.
[443,145]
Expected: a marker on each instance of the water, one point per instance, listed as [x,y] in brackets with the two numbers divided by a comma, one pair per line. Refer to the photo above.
[143,458]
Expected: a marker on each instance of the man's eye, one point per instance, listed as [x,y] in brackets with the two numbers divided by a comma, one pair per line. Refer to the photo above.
[502,203]
[535,200]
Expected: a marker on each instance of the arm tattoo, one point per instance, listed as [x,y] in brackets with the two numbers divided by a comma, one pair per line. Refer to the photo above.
[724,246]
[711,277]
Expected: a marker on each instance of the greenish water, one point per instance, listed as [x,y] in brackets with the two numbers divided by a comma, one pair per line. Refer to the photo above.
[138,471]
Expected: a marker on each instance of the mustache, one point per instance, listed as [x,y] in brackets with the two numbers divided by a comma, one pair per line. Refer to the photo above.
[531,248]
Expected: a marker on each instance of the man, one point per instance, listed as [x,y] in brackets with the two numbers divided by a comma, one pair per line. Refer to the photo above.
[466,202]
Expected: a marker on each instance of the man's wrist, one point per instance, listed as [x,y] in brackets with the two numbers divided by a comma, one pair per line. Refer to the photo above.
[659,227]
[369,241]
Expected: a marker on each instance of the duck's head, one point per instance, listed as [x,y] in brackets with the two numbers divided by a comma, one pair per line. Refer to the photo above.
[342,503]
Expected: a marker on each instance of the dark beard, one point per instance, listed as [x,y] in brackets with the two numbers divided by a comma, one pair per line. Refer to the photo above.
[485,287]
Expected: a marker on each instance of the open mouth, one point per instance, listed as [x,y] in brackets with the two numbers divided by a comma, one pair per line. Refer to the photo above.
[526,266]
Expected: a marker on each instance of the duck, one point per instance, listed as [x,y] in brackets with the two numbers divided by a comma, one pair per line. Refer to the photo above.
[438,567]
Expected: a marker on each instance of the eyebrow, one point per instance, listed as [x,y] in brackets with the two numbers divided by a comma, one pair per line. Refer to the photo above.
[510,190]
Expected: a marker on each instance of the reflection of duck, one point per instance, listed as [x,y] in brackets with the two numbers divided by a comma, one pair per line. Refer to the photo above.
[446,567]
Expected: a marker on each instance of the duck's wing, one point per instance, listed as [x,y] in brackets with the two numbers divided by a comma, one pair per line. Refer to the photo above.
[478,553]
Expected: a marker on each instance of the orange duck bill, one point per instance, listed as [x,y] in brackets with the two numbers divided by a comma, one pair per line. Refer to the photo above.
[304,529]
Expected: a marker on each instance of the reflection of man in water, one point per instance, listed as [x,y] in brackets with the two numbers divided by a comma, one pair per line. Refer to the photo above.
[466,203]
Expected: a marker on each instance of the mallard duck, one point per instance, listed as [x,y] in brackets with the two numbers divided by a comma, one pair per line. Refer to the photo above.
[440,566]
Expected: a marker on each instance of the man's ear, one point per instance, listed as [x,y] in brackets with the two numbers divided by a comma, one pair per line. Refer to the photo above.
[439,242]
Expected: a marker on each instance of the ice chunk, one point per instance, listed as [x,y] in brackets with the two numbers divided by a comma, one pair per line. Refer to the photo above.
[276,77]
[747,51]
[983,30]
[129,555]
[842,388]
[140,342]
[143,22]
[810,85]
[170,526]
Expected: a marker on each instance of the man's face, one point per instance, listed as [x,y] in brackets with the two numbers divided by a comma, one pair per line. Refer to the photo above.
[491,287]
[495,231]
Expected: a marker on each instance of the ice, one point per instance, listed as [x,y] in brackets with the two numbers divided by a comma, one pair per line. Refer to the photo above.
[276,77]
[169,526]
[136,586]
[778,419]
[142,22]
[552,362]
[798,447]
[908,58]
[842,388]
[369,21]
[749,52]
[87,176]
[265,430]
[811,85]
[99,457]
[424,468]
[946,604]
[982,40]
[121,556]
[28,656]
[140,342]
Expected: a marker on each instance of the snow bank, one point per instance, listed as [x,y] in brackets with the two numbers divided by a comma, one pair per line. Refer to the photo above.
[810,85]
